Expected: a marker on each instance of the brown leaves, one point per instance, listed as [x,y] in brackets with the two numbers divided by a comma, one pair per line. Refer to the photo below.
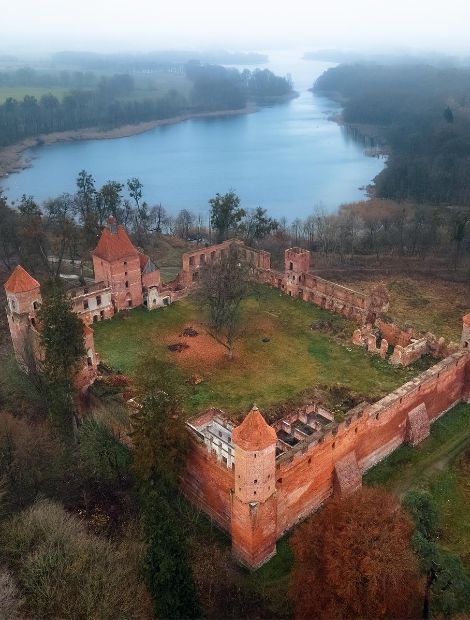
[354,560]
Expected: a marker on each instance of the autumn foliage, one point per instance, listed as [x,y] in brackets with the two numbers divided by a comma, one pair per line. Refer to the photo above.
[354,560]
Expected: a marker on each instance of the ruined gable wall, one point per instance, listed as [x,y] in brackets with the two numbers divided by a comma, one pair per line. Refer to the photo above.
[393,334]
[304,475]
[208,484]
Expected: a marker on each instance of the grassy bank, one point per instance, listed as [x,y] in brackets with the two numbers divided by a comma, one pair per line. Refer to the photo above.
[440,465]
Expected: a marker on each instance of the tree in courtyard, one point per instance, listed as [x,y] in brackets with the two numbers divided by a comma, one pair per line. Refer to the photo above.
[447,586]
[225,214]
[354,560]
[64,349]
[224,286]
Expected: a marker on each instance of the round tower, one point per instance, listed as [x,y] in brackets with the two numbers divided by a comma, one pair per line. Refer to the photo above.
[23,300]
[254,508]
[255,453]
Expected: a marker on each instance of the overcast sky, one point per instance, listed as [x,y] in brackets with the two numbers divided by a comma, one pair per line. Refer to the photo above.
[246,24]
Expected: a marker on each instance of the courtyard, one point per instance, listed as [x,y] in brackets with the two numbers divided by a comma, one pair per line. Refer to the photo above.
[288,350]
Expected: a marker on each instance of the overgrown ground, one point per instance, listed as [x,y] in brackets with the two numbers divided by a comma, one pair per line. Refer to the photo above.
[286,346]
[429,304]
[441,465]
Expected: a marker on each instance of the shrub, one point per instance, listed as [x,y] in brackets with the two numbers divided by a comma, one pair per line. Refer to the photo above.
[30,460]
[65,572]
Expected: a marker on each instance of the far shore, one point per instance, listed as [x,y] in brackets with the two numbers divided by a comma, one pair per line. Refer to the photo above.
[12,157]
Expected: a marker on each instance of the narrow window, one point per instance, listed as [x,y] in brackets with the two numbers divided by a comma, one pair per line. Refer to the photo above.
[95,318]
[125,263]
[89,361]
[129,303]
[85,304]
[291,266]
[191,260]
[101,315]
[98,300]
[126,284]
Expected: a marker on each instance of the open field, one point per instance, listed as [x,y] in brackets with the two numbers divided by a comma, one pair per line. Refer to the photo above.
[156,84]
[286,347]
[441,465]
[19,92]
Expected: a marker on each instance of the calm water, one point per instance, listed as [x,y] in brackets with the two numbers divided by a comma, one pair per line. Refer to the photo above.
[288,158]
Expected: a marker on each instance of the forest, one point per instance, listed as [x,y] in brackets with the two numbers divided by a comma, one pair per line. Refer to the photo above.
[110,101]
[423,114]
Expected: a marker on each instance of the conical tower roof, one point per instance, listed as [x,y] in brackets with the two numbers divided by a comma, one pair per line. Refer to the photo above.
[254,433]
[20,281]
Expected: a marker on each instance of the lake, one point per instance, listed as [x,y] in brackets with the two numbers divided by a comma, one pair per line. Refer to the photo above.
[287,158]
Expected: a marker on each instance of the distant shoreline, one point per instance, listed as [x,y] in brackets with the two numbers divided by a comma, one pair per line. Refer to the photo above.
[12,157]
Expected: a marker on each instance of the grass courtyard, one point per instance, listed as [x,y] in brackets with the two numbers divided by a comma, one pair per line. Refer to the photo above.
[286,347]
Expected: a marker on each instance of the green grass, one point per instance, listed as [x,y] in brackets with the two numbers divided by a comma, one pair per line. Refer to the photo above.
[295,358]
[19,92]
[440,465]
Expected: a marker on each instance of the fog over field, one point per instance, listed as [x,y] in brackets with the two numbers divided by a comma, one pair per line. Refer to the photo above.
[153,24]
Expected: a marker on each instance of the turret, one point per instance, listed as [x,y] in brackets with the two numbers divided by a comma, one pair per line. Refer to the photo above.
[23,300]
[255,453]
[297,261]
[254,505]
[23,292]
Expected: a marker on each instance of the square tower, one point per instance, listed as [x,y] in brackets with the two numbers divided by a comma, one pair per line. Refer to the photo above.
[297,260]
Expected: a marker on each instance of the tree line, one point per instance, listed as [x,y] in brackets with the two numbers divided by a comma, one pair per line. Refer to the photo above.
[423,113]
[109,102]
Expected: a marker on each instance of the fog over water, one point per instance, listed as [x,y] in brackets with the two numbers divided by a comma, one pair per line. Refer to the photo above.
[288,158]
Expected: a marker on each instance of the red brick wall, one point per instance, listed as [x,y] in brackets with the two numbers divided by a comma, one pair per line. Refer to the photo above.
[116,274]
[208,484]
[254,531]
[372,434]
[394,334]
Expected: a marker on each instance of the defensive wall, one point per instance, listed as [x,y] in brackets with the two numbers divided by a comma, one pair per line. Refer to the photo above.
[314,457]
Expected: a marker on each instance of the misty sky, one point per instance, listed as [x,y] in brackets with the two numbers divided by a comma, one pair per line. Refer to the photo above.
[244,24]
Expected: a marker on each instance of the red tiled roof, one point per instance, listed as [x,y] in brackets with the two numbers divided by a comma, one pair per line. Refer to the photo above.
[20,281]
[115,246]
[466,319]
[254,433]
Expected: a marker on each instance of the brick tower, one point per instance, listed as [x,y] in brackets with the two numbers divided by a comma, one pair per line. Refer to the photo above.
[116,262]
[253,524]
[23,300]
[297,260]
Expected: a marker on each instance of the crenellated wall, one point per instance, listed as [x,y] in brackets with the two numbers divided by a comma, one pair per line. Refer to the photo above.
[315,460]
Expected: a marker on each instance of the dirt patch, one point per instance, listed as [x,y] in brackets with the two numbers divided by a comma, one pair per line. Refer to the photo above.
[198,354]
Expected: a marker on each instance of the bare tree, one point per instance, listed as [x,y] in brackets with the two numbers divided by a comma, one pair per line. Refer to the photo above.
[224,286]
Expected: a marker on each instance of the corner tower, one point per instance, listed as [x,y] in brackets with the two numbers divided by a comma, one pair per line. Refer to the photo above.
[254,510]
[23,300]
